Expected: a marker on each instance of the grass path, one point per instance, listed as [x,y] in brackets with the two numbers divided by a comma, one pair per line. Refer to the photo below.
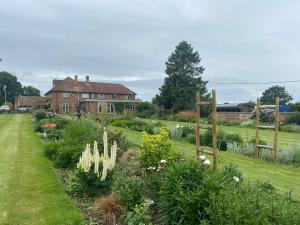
[30,191]
[285,177]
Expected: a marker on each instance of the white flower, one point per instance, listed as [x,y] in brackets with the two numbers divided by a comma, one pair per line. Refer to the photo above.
[149,201]
[202,157]
[151,168]
[177,126]
[237,179]
[159,168]
[163,161]
[206,162]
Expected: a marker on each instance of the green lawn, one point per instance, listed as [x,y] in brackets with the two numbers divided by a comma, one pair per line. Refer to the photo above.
[30,191]
[284,177]
[285,138]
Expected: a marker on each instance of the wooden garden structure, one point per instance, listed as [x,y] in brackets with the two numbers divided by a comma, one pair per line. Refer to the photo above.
[199,150]
[275,127]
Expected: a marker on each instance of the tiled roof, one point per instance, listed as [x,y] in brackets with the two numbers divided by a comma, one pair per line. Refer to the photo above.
[31,100]
[70,85]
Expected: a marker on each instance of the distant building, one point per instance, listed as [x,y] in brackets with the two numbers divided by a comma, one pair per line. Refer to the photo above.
[31,102]
[231,107]
[69,94]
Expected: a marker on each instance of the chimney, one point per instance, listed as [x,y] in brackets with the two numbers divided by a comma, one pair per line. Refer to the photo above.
[76,77]
[87,78]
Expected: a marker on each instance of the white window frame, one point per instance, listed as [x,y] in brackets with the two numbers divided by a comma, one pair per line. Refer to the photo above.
[129,106]
[101,96]
[111,108]
[127,97]
[65,94]
[65,107]
[86,95]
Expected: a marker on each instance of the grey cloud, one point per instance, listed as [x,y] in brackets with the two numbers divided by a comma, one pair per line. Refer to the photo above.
[129,41]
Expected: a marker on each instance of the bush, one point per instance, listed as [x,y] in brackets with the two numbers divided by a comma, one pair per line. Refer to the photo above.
[294,118]
[109,209]
[119,137]
[129,190]
[90,184]
[155,148]
[40,114]
[252,204]
[51,149]
[141,215]
[38,125]
[181,200]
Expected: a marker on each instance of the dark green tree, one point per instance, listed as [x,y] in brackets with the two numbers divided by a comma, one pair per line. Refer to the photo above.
[183,79]
[31,91]
[13,87]
[269,95]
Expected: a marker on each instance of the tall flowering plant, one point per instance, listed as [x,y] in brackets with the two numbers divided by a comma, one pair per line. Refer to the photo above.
[89,158]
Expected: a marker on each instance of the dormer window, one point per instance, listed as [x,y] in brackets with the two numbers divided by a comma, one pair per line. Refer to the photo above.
[114,97]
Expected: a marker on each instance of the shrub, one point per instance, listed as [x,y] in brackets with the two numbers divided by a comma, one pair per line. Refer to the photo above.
[109,209]
[40,114]
[51,149]
[294,118]
[141,215]
[38,125]
[155,148]
[252,204]
[119,137]
[129,190]
[81,183]
[180,198]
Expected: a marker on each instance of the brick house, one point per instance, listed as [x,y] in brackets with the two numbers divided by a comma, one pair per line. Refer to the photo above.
[68,94]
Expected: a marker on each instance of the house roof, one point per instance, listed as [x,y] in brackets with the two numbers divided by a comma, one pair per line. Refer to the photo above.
[31,100]
[71,85]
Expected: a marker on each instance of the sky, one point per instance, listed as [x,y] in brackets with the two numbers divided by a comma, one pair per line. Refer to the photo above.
[129,42]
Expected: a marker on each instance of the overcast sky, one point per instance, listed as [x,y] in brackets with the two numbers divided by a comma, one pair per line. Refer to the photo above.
[129,42]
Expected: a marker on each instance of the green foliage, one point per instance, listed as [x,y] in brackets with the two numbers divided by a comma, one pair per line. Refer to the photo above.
[40,114]
[103,114]
[252,204]
[294,118]
[89,184]
[31,91]
[145,109]
[141,215]
[119,107]
[119,137]
[155,148]
[51,149]
[269,95]
[296,107]
[137,124]
[38,125]
[13,87]
[129,190]
[183,79]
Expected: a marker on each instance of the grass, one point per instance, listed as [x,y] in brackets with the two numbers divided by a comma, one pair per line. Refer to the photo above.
[285,177]
[30,191]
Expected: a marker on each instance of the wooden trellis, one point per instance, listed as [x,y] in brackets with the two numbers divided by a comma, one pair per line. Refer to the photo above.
[200,150]
[275,127]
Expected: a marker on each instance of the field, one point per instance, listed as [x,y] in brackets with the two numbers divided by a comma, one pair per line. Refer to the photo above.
[30,191]
[285,177]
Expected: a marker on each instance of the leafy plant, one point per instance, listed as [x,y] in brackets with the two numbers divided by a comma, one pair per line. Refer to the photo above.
[140,215]
[129,190]
[40,114]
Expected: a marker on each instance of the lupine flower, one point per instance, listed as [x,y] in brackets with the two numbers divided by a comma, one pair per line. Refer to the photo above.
[206,162]
[202,157]
[237,179]
[149,201]
[151,168]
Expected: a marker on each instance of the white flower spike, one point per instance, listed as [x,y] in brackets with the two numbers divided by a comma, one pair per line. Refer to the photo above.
[163,161]
[206,162]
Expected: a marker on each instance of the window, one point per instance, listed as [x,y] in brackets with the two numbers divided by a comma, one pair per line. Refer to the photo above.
[101,96]
[129,106]
[65,107]
[65,94]
[92,95]
[85,95]
[114,96]
[111,108]
[127,97]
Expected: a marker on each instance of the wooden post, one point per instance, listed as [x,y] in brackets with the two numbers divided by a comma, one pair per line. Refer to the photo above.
[214,129]
[276,148]
[257,155]
[198,124]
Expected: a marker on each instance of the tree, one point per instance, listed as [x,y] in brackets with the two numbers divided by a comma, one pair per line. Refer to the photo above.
[183,79]
[13,87]
[31,91]
[269,95]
